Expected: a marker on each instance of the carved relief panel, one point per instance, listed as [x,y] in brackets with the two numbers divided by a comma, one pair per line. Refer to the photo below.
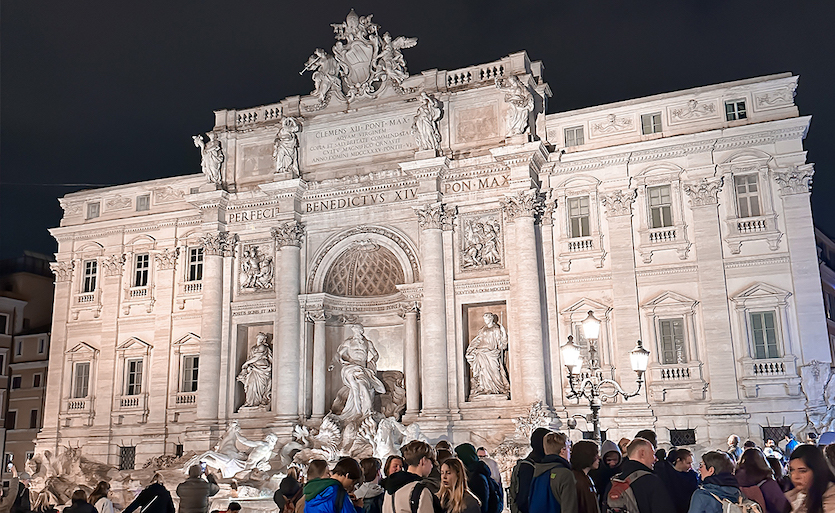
[256,267]
[481,241]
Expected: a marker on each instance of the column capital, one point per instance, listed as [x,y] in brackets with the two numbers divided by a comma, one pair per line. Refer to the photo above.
[409,307]
[289,233]
[316,315]
[167,258]
[218,243]
[438,216]
[795,179]
[62,269]
[619,203]
[526,203]
[704,192]
[113,265]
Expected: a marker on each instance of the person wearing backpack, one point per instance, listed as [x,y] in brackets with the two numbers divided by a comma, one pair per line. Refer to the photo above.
[636,486]
[404,491]
[719,485]
[554,489]
[522,475]
[331,495]
[756,482]
[479,481]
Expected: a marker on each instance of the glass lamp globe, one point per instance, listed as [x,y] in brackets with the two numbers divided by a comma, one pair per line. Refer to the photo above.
[571,356]
[591,327]
[639,358]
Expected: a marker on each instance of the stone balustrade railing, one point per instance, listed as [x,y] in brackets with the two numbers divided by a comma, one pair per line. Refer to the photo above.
[258,115]
[483,73]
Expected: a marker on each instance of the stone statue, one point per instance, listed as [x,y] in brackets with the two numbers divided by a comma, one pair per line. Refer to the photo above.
[359,373]
[391,61]
[256,375]
[326,73]
[256,270]
[486,356]
[229,460]
[521,104]
[425,125]
[212,155]
[481,243]
[286,147]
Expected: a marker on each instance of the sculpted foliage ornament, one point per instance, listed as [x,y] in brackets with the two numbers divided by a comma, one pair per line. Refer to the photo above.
[704,192]
[795,180]
[436,216]
[212,157]
[619,203]
[362,64]
[219,243]
[113,264]
[62,270]
[521,104]
[167,259]
[286,147]
[529,203]
[425,125]
[288,234]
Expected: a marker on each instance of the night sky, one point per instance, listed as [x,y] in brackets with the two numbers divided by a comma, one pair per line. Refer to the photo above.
[110,92]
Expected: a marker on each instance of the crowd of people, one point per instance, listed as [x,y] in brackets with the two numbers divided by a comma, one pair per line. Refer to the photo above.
[631,476]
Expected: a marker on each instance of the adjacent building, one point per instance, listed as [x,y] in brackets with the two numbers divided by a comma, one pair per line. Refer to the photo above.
[416,204]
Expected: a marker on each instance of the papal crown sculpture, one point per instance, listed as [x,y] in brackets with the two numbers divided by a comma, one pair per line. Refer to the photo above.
[363,63]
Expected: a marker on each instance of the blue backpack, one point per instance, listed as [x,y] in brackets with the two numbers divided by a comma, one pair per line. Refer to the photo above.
[495,501]
[540,498]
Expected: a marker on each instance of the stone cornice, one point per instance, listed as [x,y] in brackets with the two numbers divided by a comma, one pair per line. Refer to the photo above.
[294,188]
[426,168]
[492,284]
[534,154]
[756,262]
[209,200]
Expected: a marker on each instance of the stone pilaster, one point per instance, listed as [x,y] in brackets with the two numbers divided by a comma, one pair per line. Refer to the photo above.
[318,318]
[522,209]
[215,245]
[713,292]
[159,382]
[795,186]
[286,378]
[433,340]
[411,358]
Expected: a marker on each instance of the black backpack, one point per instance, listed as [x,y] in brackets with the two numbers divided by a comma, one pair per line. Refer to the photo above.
[495,500]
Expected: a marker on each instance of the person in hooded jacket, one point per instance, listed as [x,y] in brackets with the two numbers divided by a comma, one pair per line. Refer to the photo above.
[610,463]
[526,467]
[370,490]
[323,495]
[718,480]
[478,473]
[556,468]
[679,479]
[417,455]
[649,491]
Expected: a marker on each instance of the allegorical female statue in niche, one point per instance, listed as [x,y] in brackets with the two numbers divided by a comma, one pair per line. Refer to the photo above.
[359,373]
[486,356]
[257,373]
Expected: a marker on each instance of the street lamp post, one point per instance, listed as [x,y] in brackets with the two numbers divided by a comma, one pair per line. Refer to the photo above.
[591,384]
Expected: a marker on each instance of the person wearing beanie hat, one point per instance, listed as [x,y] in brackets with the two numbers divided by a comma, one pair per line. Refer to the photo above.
[520,480]
[478,474]
[288,494]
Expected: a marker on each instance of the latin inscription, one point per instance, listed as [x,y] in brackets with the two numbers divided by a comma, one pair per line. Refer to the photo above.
[359,140]
[490,182]
[360,200]
[252,215]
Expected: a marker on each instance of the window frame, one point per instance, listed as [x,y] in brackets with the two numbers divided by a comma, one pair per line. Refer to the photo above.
[767,345]
[74,382]
[17,379]
[733,112]
[89,277]
[5,320]
[34,414]
[682,346]
[652,123]
[747,195]
[584,229]
[18,348]
[194,369]
[143,203]
[660,207]
[141,269]
[194,269]
[41,345]
[573,140]
[38,376]
[93,210]
[133,377]
[11,419]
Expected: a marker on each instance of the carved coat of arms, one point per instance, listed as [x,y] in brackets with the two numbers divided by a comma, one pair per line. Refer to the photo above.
[363,62]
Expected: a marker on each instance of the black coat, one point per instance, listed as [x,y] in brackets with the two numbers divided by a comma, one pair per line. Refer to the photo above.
[680,485]
[649,490]
[153,499]
[80,507]
[194,494]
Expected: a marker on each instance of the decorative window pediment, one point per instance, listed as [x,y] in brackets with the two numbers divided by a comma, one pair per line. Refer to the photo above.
[670,301]
[577,221]
[83,349]
[661,214]
[188,338]
[762,294]
[134,344]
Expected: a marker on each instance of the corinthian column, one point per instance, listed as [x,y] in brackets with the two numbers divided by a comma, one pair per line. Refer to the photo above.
[318,318]
[433,344]
[411,358]
[288,329]
[215,247]
[522,209]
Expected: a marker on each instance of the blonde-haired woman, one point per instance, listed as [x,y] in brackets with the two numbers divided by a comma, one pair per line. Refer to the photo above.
[454,495]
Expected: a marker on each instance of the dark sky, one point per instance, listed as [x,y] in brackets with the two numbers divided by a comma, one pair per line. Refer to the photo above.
[110,92]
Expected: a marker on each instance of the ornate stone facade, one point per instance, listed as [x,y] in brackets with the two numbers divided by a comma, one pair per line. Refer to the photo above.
[495,208]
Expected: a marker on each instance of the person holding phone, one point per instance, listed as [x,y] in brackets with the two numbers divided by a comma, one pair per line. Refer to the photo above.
[195,491]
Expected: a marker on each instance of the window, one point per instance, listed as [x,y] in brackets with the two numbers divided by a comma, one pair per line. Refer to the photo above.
[672,341]
[81,380]
[679,437]
[19,350]
[141,267]
[127,458]
[195,264]
[573,136]
[776,433]
[194,190]
[93,210]
[747,195]
[2,365]
[650,123]
[589,435]
[190,364]
[16,382]
[90,271]
[41,345]
[578,216]
[178,450]
[143,202]
[34,417]
[764,333]
[660,206]
[133,379]
[11,420]
[735,110]
[36,380]
[4,324]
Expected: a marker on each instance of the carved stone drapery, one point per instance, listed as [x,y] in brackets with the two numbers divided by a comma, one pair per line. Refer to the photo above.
[529,203]
[113,265]
[482,244]
[286,147]
[521,103]
[619,203]
[288,234]
[438,216]
[256,268]
[167,259]
[425,124]
[219,243]
[795,180]
[704,192]
[62,270]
